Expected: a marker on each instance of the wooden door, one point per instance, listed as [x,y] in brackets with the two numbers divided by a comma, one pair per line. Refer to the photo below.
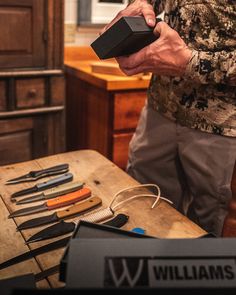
[22,38]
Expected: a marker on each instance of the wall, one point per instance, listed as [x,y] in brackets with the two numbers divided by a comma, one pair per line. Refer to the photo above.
[74,35]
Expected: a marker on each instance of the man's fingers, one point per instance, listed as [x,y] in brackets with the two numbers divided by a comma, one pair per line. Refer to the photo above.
[149,15]
[134,60]
[160,27]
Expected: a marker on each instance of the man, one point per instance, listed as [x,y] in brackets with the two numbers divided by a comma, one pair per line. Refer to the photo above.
[185,141]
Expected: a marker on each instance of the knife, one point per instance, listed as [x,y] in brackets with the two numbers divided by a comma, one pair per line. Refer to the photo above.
[57,216]
[61,228]
[45,185]
[52,193]
[117,221]
[58,202]
[35,175]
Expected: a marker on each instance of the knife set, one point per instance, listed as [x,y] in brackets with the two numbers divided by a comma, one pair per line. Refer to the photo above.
[56,192]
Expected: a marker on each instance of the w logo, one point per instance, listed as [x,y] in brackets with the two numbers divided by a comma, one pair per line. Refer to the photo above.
[125,272]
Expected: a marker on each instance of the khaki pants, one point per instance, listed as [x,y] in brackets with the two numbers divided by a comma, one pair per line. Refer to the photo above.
[192,168]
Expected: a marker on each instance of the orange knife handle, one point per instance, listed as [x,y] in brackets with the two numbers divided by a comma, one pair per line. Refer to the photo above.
[69,199]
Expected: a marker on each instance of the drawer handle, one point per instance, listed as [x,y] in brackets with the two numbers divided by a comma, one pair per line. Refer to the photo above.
[32,93]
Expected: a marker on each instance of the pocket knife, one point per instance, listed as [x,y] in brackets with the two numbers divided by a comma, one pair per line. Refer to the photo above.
[52,193]
[54,203]
[35,175]
[44,185]
[74,210]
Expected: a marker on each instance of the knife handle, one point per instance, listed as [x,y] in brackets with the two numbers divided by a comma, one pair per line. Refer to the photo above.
[68,199]
[73,210]
[63,189]
[55,181]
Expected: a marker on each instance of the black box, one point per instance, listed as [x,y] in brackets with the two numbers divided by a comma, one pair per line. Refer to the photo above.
[89,230]
[198,264]
[128,35]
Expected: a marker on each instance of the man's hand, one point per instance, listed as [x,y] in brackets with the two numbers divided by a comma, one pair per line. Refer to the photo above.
[168,55]
[137,8]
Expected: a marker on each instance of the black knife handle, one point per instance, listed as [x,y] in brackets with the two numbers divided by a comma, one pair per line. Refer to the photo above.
[118,221]
[55,181]
[57,168]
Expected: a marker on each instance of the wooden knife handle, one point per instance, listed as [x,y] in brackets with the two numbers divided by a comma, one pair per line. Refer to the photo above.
[79,208]
[68,199]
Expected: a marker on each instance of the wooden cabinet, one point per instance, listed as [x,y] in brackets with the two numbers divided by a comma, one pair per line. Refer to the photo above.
[102,110]
[22,35]
[32,83]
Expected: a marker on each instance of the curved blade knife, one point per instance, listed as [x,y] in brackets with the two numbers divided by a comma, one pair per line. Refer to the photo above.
[58,202]
[57,216]
[63,228]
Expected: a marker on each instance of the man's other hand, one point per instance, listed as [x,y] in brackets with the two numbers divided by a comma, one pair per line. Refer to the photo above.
[137,8]
[168,55]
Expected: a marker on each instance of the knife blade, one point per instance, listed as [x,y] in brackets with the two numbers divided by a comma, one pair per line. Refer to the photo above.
[117,221]
[58,202]
[45,185]
[57,216]
[35,175]
[63,228]
[52,193]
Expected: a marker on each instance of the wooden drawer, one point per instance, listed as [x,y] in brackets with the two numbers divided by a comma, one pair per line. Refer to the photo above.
[30,93]
[3,100]
[120,149]
[127,108]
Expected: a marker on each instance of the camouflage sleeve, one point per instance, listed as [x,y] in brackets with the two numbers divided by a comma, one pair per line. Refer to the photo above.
[212,67]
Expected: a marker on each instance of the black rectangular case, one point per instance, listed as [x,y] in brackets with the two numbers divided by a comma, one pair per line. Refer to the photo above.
[197,264]
[128,35]
[88,230]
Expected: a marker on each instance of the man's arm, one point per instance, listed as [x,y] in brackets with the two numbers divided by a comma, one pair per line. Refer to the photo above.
[170,56]
[212,67]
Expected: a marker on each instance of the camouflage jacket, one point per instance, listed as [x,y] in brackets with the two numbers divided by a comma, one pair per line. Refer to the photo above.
[203,98]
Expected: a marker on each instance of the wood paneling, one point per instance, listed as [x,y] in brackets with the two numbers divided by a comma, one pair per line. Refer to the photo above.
[16,147]
[128,106]
[31,137]
[3,98]
[57,90]
[32,87]
[22,41]
[15,125]
[120,149]
[100,119]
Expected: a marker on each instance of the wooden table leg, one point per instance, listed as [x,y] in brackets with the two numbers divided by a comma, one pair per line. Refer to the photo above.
[229,227]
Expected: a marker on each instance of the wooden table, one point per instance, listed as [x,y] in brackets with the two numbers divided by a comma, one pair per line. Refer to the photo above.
[105,179]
